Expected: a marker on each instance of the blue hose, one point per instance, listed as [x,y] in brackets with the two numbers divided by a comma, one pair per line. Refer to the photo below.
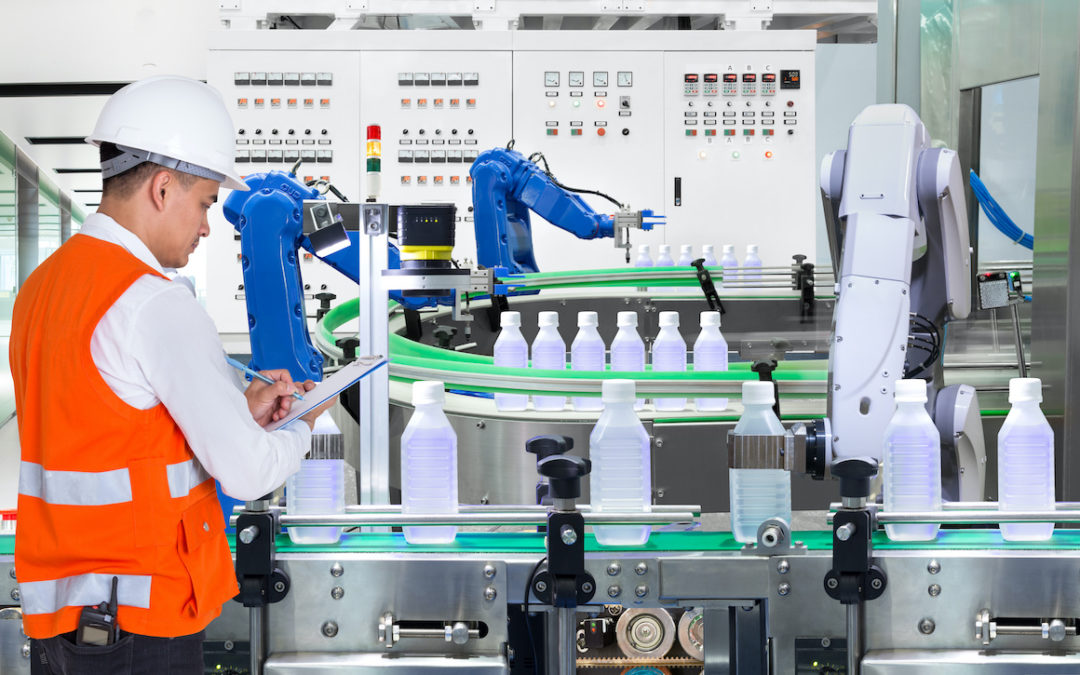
[997,215]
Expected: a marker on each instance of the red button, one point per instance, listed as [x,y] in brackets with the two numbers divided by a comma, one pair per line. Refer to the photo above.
[601,131]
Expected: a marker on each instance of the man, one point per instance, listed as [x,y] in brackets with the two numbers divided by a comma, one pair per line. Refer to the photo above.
[127,408]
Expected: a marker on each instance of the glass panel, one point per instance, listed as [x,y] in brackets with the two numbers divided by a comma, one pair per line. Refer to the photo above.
[9,258]
[48,227]
[1007,145]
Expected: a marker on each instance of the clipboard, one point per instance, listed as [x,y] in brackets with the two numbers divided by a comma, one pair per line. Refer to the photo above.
[330,387]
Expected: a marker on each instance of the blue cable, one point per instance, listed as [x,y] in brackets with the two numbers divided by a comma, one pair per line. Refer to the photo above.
[997,215]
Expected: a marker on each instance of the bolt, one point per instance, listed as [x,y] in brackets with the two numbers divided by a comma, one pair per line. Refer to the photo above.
[15,594]
[875,584]
[933,567]
[660,493]
[783,589]
[489,571]
[641,591]
[228,645]
[279,586]
[783,567]
[641,568]
[613,569]
[540,586]
[490,593]
[614,591]
[26,649]
[826,642]
[336,570]
[659,442]
[927,626]
[934,590]
[480,424]
[337,592]
[845,531]
[587,587]
[329,629]
[832,583]
[568,535]
[11,572]
[248,534]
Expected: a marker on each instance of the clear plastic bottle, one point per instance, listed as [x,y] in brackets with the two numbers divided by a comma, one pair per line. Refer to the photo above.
[729,261]
[318,488]
[686,255]
[752,260]
[644,259]
[912,458]
[710,355]
[1026,461]
[587,353]
[669,355]
[429,482]
[628,349]
[708,251]
[512,351]
[663,256]
[549,353]
[621,479]
[758,494]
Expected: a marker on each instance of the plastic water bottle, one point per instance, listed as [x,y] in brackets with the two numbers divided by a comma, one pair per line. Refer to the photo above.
[729,261]
[511,351]
[644,259]
[669,355]
[710,355]
[686,255]
[912,455]
[708,251]
[1026,461]
[663,256]
[549,353]
[628,349]
[752,260]
[621,480]
[318,488]
[587,353]
[758,494]
[429,465]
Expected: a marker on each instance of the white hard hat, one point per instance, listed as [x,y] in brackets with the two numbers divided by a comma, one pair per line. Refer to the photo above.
[174,121]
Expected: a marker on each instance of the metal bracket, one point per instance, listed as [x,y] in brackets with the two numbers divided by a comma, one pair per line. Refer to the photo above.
[261,583]
[774,538]
[987,629]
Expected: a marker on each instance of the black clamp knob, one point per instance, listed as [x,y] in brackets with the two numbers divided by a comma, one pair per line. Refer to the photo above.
[855,474]
[443,335]
[348,347]
[324,298]
[564,473]
[548,445]
[799,258]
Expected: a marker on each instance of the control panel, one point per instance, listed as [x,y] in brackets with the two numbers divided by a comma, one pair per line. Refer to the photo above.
[286,107]
[437,111]
[593,116]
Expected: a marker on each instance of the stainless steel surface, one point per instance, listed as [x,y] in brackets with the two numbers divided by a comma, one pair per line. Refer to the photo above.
[495,518]
[562,641]
[978,516]
[760,451]
[853,628]
[315,663]
[256,638]
[968,662]
[1019,341]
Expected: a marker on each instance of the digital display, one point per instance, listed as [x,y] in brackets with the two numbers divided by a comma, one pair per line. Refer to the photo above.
[768,77]
[690,78]
[749,77]
[711,77]
[731,77]
[789,79]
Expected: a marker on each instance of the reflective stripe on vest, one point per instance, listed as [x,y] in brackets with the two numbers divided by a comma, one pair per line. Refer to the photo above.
[46,597]
[183,477]
[75,488]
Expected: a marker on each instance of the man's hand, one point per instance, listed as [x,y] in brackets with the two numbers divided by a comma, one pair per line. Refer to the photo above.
[314,413]
[271,402]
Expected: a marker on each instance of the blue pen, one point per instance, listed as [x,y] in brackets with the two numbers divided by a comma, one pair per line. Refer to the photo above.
[259,376]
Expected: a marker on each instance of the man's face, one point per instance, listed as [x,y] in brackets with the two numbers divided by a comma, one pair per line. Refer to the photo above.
[185,220]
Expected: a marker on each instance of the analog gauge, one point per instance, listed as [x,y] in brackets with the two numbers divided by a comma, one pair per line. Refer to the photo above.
[599,78]
[551,78]
[577,78]
[626,78]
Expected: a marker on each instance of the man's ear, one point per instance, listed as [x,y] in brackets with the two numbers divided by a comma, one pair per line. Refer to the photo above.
[161,182]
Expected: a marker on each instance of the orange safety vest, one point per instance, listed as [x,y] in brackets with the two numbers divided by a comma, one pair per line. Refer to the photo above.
[105,489]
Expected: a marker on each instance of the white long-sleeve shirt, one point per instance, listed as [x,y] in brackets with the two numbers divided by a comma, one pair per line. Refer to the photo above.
[157,344]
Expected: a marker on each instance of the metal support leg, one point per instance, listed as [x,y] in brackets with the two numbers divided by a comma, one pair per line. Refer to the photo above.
[561,642]
[258,646]
[1019,339]
[854,638]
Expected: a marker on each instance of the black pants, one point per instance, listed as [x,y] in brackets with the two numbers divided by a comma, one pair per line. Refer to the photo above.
[131,654]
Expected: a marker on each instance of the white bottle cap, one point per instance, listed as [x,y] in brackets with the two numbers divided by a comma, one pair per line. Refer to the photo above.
[710,318]
[1025,389]
[669,319]
[729,248]
[751,248]
[643,249]
[626,319]
[548,319]
[425,392]
[687,249]
[510,319]
[910,391]
[707,248]
[618,391]
[664,248]
[587,319]
[757,392]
